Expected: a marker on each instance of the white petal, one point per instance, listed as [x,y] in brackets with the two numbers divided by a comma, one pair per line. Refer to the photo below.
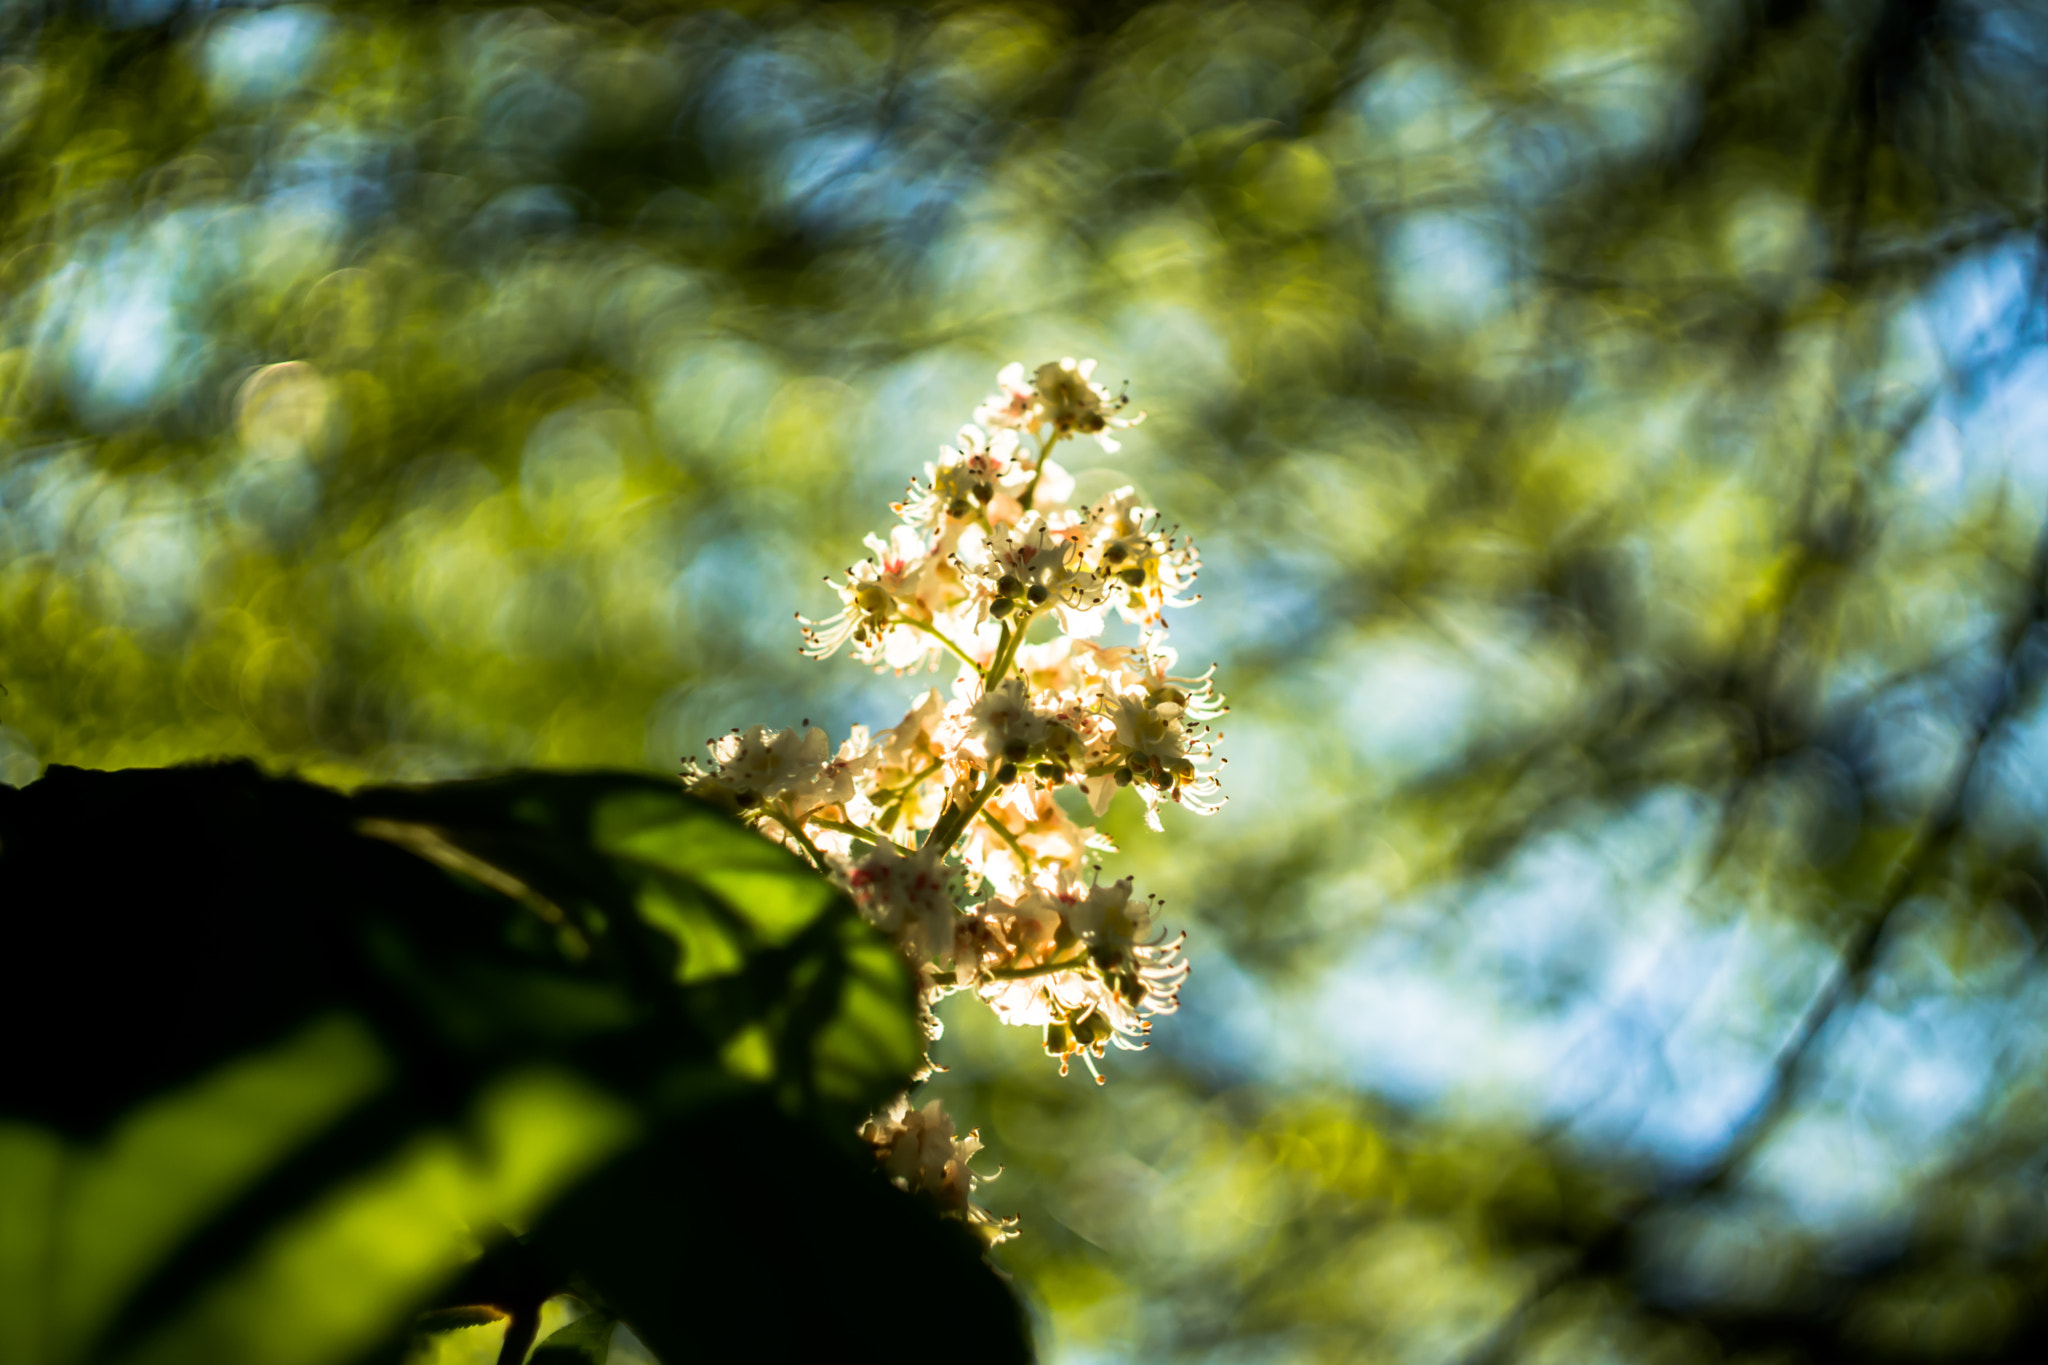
[1100,791]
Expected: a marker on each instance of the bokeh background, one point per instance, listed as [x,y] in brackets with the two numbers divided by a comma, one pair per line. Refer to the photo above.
[1617,435]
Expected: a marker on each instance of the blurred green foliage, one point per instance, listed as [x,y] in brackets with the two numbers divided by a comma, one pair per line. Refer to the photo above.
[1613,432]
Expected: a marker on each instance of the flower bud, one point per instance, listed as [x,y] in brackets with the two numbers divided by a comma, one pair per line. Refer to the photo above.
[1051,772]
[1016,750]
[1006,774]
[983,490]
[1134,577]
[1038,594]
[1092,1029]
[1001,607]
[1008,585]
[872,599]
[1059,1039]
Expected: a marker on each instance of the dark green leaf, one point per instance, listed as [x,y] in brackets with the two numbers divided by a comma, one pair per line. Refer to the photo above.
[586,1341]
[753,1264]
[781,977]
[347,1018]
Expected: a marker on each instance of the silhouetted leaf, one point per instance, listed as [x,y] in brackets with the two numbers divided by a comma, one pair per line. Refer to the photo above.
[752,1264]
[586,1341]
[780,976]
[360,1027]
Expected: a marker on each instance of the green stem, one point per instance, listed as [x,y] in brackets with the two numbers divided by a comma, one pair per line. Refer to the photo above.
[848,827]
[1042,969]
[1031,489]
[940,636]
[796,829]
[1006,651]
[1002,659]
[896,795]
[905,788]
[953,822]
[1010,839]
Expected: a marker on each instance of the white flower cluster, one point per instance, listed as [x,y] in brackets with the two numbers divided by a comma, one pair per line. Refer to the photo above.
[918,1152]
[945,830]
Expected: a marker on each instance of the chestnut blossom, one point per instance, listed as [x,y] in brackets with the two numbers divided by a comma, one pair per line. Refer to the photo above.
[948,831]
[1014,572]
[1143,968]
[1096,972]
[1017,844]
[891,605]
[1152,748]
[917,1151]
[979,479]
[1002,726]
[906,788]
[790,773]
[1014,404]
[1070,401]
[1060,395]
[908,896]
[1144,570]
